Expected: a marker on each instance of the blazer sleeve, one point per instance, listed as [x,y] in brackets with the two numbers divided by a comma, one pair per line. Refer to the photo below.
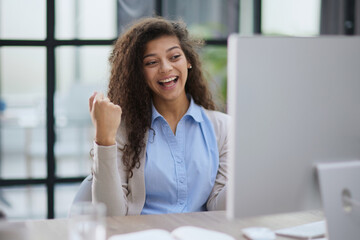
[110,180]
[221,123]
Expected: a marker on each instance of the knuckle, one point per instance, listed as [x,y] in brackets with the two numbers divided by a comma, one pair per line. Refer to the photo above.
[99,103]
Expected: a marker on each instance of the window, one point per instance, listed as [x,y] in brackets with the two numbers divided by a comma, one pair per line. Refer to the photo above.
[23,124]
[80,70]
[291,17]
[47,72]
[85,19]
[53,55]
[17,22]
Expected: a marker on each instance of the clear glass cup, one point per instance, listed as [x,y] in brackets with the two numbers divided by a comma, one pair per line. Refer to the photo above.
[87,221]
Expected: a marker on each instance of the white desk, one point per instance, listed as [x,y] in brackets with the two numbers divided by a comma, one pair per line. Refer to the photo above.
[57,229]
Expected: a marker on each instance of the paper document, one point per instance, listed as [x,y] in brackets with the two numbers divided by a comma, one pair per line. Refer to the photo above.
[181,233]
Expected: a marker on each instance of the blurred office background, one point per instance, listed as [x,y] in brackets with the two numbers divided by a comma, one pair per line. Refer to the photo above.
[54,54]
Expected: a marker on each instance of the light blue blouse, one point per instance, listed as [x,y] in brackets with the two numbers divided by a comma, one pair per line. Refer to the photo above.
[180,169]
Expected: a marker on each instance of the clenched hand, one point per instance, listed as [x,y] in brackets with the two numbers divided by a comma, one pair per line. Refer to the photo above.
[106,118]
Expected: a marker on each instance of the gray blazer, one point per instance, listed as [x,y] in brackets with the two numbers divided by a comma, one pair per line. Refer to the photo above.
[110,175]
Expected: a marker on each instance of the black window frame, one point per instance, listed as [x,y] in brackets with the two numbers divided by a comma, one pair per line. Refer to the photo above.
[51,43]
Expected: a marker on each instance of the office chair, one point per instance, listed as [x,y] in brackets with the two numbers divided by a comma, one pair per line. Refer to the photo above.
[84,192]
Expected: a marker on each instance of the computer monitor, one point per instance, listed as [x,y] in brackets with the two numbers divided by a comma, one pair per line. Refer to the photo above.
[294,102]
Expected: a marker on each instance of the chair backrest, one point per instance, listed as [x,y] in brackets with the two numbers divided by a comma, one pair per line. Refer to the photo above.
[84,192]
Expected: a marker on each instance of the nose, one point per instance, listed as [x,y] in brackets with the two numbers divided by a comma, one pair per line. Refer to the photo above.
[165,66]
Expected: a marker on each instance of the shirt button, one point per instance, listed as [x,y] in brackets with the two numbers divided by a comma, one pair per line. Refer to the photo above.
[182,202]
[181,180]
[179,161]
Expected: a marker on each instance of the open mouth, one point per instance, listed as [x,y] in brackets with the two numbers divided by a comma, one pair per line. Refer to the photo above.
[169,82]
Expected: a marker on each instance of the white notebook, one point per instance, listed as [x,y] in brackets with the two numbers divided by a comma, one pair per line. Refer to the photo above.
[180,233]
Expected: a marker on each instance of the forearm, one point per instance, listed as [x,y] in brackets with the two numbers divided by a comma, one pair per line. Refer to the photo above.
[217,198]
[218,201]
[107,186]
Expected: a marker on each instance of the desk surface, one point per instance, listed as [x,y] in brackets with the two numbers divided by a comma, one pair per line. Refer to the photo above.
[57,229]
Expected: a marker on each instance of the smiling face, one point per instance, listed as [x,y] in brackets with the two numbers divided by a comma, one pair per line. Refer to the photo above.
[166,69]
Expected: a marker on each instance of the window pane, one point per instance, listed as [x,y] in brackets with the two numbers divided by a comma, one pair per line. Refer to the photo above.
[22,19]
[64,195]
[214,59]
[205,18]
[291,17]
[85,19]
[27,202]
[134,9]
[23,125]
[80,72]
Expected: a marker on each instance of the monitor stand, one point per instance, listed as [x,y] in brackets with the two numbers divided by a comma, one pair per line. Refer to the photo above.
[340,193]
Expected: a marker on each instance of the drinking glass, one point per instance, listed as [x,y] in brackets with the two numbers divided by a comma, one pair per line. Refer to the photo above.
[87,221]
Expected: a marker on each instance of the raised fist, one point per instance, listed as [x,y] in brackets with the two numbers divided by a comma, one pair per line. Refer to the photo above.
[106,118]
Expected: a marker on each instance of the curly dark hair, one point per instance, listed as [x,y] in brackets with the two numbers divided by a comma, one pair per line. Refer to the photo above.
[128,88]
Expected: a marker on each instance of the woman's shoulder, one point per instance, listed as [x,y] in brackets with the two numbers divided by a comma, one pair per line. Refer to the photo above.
[221,123]
[217,116]
[219,120]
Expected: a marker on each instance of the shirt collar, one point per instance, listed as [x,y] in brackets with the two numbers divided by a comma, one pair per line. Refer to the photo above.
[155,113]
[193,111]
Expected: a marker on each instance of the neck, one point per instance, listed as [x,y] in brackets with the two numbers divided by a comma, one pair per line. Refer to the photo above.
[174,110]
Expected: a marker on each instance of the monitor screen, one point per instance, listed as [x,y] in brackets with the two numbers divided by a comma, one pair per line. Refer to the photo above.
[294,102]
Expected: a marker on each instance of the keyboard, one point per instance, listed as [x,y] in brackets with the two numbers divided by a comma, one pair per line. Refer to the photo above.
[306,231]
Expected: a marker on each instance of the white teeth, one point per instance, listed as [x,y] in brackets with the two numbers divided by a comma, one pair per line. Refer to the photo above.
[168,80]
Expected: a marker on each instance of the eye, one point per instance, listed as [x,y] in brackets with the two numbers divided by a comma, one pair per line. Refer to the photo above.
[149,63]
[175,56]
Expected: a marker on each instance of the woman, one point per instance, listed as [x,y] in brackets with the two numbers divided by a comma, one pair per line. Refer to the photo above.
[159,145]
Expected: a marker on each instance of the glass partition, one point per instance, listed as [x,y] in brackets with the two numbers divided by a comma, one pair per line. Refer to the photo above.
[85,19]
[23,127]
[291,17]
[214,59]
[22,19]
[208,19]
[64,195]
[80,72]
[24,202]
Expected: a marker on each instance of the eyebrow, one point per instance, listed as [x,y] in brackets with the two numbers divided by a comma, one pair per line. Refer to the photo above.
[153,54]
